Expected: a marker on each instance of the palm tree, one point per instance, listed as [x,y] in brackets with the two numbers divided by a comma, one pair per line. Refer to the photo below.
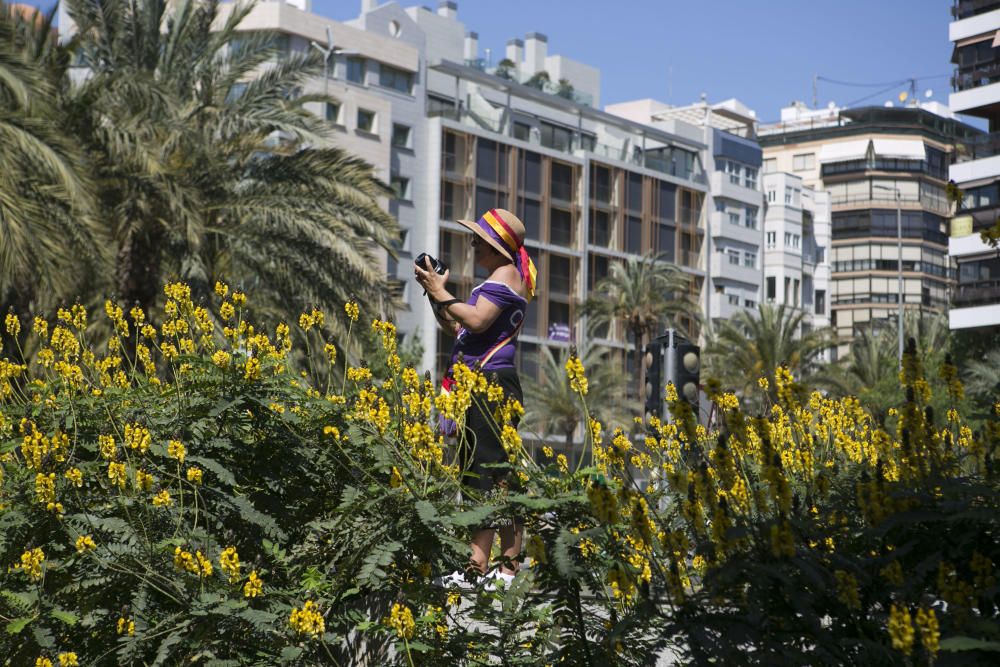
[645,294]
[211,166]
[982,379]
[752,345]
[46,226]
[552,407]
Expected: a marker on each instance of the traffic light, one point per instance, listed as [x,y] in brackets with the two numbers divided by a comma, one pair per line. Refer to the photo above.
[687,371]
[652,361]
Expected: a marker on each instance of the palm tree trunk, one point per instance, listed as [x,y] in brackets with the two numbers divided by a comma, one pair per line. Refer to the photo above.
[138,268]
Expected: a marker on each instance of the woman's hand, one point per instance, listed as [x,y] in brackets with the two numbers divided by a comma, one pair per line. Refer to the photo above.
[432,281]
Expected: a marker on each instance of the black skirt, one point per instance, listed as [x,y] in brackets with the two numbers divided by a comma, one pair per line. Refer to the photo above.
[481,446]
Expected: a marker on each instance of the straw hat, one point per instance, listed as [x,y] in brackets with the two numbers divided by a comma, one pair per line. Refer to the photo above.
[501,229]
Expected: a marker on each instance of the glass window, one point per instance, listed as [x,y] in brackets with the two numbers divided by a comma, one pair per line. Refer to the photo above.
[554,136]
[734,256]
[668,201]
[560,227]
[600,266]
[770,287]
[804,162]
[750,178]
[402,187]
[770,165]
[633,235]
[601,184]
[366,120]
[733,299]
[531,215]
[749,259]
[820,302]
[634,193]
[562,181]
[356,70]
[600,228]
[333,113]
[771,239]
[560,274]
[521,130]
[734,218]
[558,312]
[751,217]
[400,135]
[531,173]
[486,161]
[397,79]
[487,198]
[665,244]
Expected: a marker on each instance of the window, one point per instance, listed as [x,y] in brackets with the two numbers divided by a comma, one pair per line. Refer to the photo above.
[751,218]
[734,218]
[820,302]
[401,136]
[521,130]
[788,195]
[356,70]
[795,240]
[792,240]
[771,197]
[366,121]
[750,178]
[734,299]
[750,259]
[788,239]
[333,113]
[772,239]
[733,169]
[770,288]
[749,303]
[402,187]
[734,256]
[804,162]
[397,79]
[795,291]
[770,165]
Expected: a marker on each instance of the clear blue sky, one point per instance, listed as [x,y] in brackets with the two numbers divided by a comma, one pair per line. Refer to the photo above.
[763,52]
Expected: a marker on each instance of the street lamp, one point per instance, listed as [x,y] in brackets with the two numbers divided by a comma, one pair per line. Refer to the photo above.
[899,260]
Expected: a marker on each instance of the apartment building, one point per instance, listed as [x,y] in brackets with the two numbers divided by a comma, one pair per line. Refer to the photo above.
[975,300]
[734,242]
[796,242]
[871,161]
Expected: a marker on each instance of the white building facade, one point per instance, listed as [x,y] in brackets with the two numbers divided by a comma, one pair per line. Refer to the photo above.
[975,302]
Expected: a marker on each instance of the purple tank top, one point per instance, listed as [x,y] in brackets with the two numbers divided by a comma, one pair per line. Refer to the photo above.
[475,346]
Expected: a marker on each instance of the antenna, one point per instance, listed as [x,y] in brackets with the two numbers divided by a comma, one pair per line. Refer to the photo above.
[815,78]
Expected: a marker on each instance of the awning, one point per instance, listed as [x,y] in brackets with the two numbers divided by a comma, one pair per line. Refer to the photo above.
[900,149]
[843,151]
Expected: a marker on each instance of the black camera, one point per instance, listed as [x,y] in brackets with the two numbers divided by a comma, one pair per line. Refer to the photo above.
[436,264]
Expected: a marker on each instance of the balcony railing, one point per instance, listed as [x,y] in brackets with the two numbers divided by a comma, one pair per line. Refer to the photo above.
[963,9]
[983,146]
[981,293]
[966,78]
[938,206]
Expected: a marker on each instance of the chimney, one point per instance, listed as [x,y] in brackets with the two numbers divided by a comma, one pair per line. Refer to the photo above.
[515,52]
[448,9]
[535,47]
[471,45]
[368,5]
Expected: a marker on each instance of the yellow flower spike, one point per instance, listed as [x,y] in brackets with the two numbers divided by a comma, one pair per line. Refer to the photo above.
[901,629]
[163,499]
[40,327]
[401,620]
[68,659]
[12,324]
[43,662]
[251,371]
[116,473]
[85,543]
[126,626]
[194,475]
[331,353]
[221,289]
[352,310]
[176,450]
[229,560]
[577,375]
[930,633]
[254,586]
[143,480]
[307,621]
[31,563]
[75,477]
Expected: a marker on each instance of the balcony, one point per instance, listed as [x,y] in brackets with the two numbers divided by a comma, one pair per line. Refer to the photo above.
[966,78]
[938,206]
[980,293]
[529,80]
[963,9]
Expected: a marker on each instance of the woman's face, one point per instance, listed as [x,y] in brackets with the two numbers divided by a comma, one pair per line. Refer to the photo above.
[481,250]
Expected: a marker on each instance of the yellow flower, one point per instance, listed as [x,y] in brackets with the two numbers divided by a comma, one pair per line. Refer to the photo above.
[763,383]
[194,475]
[13,324]
[536,550]
[401,620]
[45,487]
[576,374]
[43,662]
[31,563]
[222,289]
[176,450]
[254,585]
[362,374]
[137,437]
[143,480]
[252,369]
[85,543]
[163,499]
[68,659]
[40,327]
[126,626]
[901,629]
[230,562]
[221,359]
[116,473]
[239,298]
[930,633]
[308,620]
[352,310]
[331,353]
[454,598]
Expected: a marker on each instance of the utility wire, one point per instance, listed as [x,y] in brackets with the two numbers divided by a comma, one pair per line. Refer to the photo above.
[862,85]
[868,97]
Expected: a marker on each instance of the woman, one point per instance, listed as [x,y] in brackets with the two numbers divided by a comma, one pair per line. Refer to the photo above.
[485,329]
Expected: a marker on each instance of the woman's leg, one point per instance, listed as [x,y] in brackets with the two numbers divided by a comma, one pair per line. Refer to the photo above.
[511,537]
[482,544]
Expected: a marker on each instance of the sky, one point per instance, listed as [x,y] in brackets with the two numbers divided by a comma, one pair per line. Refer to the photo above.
[765,53]
[762,52]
